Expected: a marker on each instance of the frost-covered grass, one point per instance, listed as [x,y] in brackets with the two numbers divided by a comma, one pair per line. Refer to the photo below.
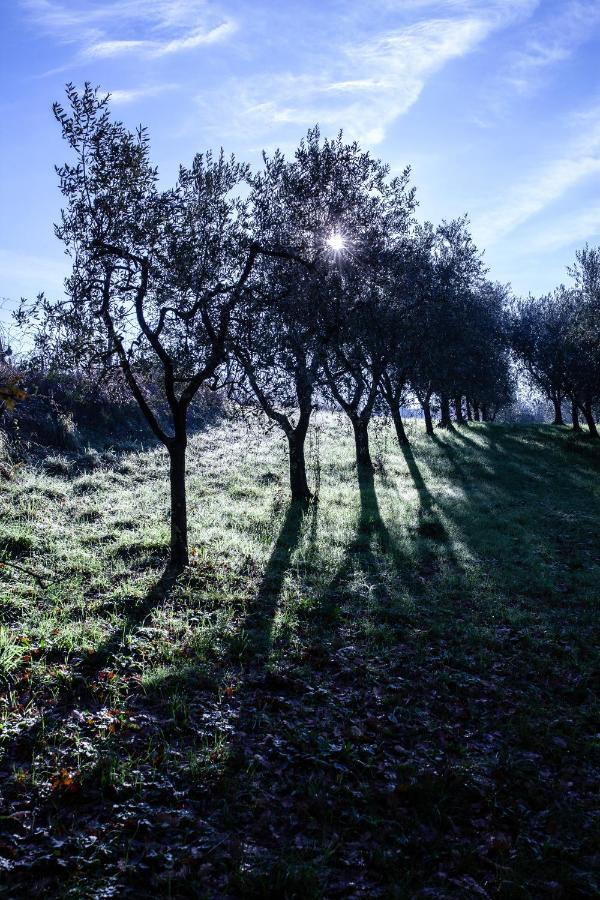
[386,694]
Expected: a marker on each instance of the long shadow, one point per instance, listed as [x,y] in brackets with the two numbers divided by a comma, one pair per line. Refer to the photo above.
[370,521]
[371,531]
[425,498]
[137,613]
[258,624]
[430,525]
[531,458]
[581,451]
[523,493]
[483,480]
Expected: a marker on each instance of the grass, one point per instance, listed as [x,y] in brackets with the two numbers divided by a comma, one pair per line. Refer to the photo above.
[389,694]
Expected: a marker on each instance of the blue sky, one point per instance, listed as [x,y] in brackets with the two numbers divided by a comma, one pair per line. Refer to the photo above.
[494,103]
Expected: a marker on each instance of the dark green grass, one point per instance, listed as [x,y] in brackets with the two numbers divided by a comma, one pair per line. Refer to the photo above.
[387,694]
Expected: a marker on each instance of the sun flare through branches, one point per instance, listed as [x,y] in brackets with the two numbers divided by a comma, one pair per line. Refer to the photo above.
[336,242]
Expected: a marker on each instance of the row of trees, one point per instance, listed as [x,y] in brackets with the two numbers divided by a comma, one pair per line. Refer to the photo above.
[557,340]
[310,281]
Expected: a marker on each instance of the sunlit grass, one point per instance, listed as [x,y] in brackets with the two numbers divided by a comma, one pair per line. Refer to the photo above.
[469,567]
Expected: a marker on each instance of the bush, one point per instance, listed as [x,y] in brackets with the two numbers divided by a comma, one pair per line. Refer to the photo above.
[66,411]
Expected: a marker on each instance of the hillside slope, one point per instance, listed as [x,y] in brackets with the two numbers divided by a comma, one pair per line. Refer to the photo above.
[389,694]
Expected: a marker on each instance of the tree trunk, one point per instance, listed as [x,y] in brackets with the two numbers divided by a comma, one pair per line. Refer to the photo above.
[469,411]
[575,417]
[589,418]
[445,420]
[427,414]
[558,419]
[476,414]
[298,480]
[458,411]
[399,426]
[179,541]
[484,413]
[361,440]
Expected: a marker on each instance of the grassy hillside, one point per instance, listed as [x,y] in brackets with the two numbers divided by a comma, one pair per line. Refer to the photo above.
[387,695]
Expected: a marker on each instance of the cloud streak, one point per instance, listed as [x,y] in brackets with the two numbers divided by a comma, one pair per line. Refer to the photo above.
[364,86]
[553,41]
[550,183]
[133,95]
[154,49]
[152,29]
[568,230]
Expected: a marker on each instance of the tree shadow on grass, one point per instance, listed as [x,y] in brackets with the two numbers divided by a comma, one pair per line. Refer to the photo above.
[520,447]
[367,556]
[522,474]
[258,624]
[432,543]
[135,614]
[521,502]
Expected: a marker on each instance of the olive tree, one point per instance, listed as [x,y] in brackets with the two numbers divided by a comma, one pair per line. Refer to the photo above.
[407,292]
[327,211]
[156,273]
[302,207]
[538,330]
[583,334]
[355,317]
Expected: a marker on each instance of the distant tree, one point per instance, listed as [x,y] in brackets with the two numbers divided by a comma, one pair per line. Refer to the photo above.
[582,302]
[156,274]
[443,321]
[538,331]
[486,378]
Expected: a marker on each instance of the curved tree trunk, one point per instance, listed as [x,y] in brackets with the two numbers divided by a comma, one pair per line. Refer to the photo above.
[558,417]
[458,411]
[445,420]
[589,418]
[426,404]
[179,542]
[298,479]
[392,396]
[575,417]
[399,426]
[361,441]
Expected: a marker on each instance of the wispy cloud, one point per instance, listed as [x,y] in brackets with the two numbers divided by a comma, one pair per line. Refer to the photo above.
[151,28]
[189,41]
[547,41]
[550,182]
[364,86]
[124,96]
[568,230]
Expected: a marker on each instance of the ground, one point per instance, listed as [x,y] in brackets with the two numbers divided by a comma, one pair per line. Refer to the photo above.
[387,694]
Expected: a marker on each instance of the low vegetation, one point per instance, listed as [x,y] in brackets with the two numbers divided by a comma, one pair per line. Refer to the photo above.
[387,692]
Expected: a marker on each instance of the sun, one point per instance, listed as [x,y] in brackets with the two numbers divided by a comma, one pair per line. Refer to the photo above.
[336,242]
